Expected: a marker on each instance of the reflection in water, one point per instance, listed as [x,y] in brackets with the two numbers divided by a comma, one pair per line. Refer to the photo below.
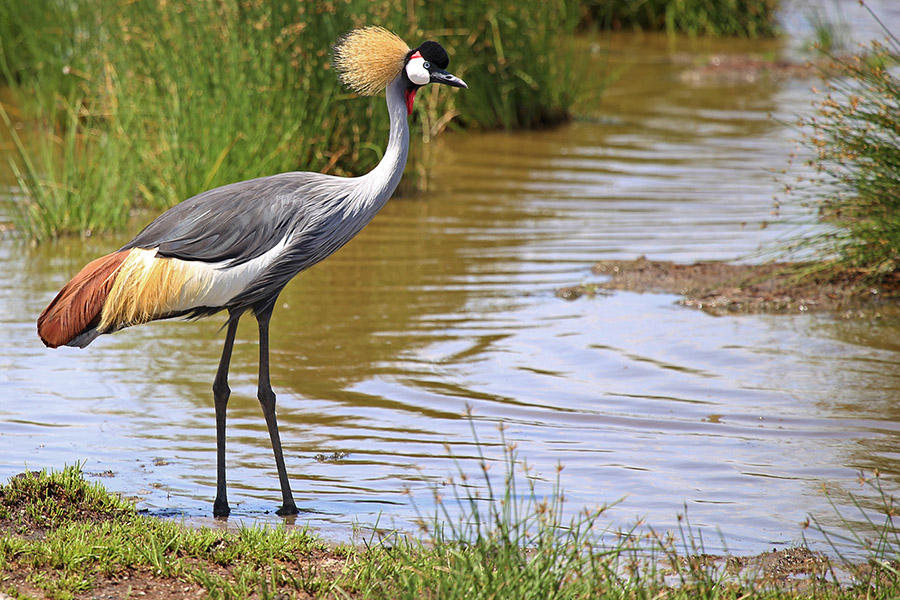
[447,301]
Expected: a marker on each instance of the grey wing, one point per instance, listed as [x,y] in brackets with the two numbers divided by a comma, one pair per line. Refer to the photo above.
[236,222]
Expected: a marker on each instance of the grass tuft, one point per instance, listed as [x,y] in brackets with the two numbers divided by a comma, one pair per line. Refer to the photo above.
[47,500]
[505,541]
[854,139]
[61,537]
[872,533]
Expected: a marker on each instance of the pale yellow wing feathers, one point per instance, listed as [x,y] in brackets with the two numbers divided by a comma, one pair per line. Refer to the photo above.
[148,287]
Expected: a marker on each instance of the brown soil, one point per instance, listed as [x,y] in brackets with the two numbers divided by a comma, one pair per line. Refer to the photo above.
[148,583]
[132,584]
[721,288]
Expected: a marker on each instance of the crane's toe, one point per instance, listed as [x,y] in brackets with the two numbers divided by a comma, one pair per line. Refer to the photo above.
[287,510]
[221,509]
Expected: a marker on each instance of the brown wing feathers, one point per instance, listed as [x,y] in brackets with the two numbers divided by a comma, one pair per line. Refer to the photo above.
[119,290]
[78,304]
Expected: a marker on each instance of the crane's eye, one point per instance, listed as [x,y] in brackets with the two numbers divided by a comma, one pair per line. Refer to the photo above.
[427,65]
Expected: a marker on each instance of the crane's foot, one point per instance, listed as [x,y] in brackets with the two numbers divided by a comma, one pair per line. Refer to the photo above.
[221,509]
[287,509]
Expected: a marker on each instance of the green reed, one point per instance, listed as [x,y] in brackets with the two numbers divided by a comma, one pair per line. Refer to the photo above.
[208,92]
[519,57]
[229,91]
[48,46]
[744,18]
[853,137]
[64,168]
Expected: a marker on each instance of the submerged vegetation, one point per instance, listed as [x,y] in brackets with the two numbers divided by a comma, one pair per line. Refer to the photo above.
[853,137]
[61,537]
[143,104]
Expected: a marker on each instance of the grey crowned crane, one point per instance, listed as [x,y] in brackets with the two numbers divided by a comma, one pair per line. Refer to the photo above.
[235,247]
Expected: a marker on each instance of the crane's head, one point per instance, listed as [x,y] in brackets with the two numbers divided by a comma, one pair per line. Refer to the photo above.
[368,59]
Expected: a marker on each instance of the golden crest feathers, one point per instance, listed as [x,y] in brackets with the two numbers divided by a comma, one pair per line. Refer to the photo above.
[368,59]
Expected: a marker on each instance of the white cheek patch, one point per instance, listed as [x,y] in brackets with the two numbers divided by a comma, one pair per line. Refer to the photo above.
[416,71]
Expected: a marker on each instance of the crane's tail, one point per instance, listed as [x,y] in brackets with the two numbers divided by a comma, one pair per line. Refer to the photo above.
[76,309]
[122,289]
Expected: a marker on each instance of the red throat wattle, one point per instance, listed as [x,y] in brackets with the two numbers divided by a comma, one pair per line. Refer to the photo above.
[410,96]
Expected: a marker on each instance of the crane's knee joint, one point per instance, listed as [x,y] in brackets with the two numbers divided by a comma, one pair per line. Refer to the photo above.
[266,397]
[221,391]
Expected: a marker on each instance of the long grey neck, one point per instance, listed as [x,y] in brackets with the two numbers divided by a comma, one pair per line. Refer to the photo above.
[377,186]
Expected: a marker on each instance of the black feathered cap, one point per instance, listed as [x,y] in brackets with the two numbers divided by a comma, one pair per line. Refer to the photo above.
[433,53]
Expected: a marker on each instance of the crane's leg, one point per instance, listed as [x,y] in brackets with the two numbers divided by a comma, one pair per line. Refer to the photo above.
[221,392]
[267,400]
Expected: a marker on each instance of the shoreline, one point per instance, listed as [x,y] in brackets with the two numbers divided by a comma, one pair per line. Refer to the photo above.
[721,288]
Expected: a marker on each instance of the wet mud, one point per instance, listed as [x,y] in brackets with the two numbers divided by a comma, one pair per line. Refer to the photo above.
[722,288]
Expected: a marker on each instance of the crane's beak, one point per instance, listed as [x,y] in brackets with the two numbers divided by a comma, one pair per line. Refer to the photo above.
[442,76]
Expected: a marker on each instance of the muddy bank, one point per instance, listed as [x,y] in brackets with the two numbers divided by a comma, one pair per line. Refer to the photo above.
[722,68]
[721,288]
[797,569]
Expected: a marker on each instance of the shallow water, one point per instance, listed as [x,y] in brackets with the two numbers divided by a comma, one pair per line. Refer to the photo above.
[447,301]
